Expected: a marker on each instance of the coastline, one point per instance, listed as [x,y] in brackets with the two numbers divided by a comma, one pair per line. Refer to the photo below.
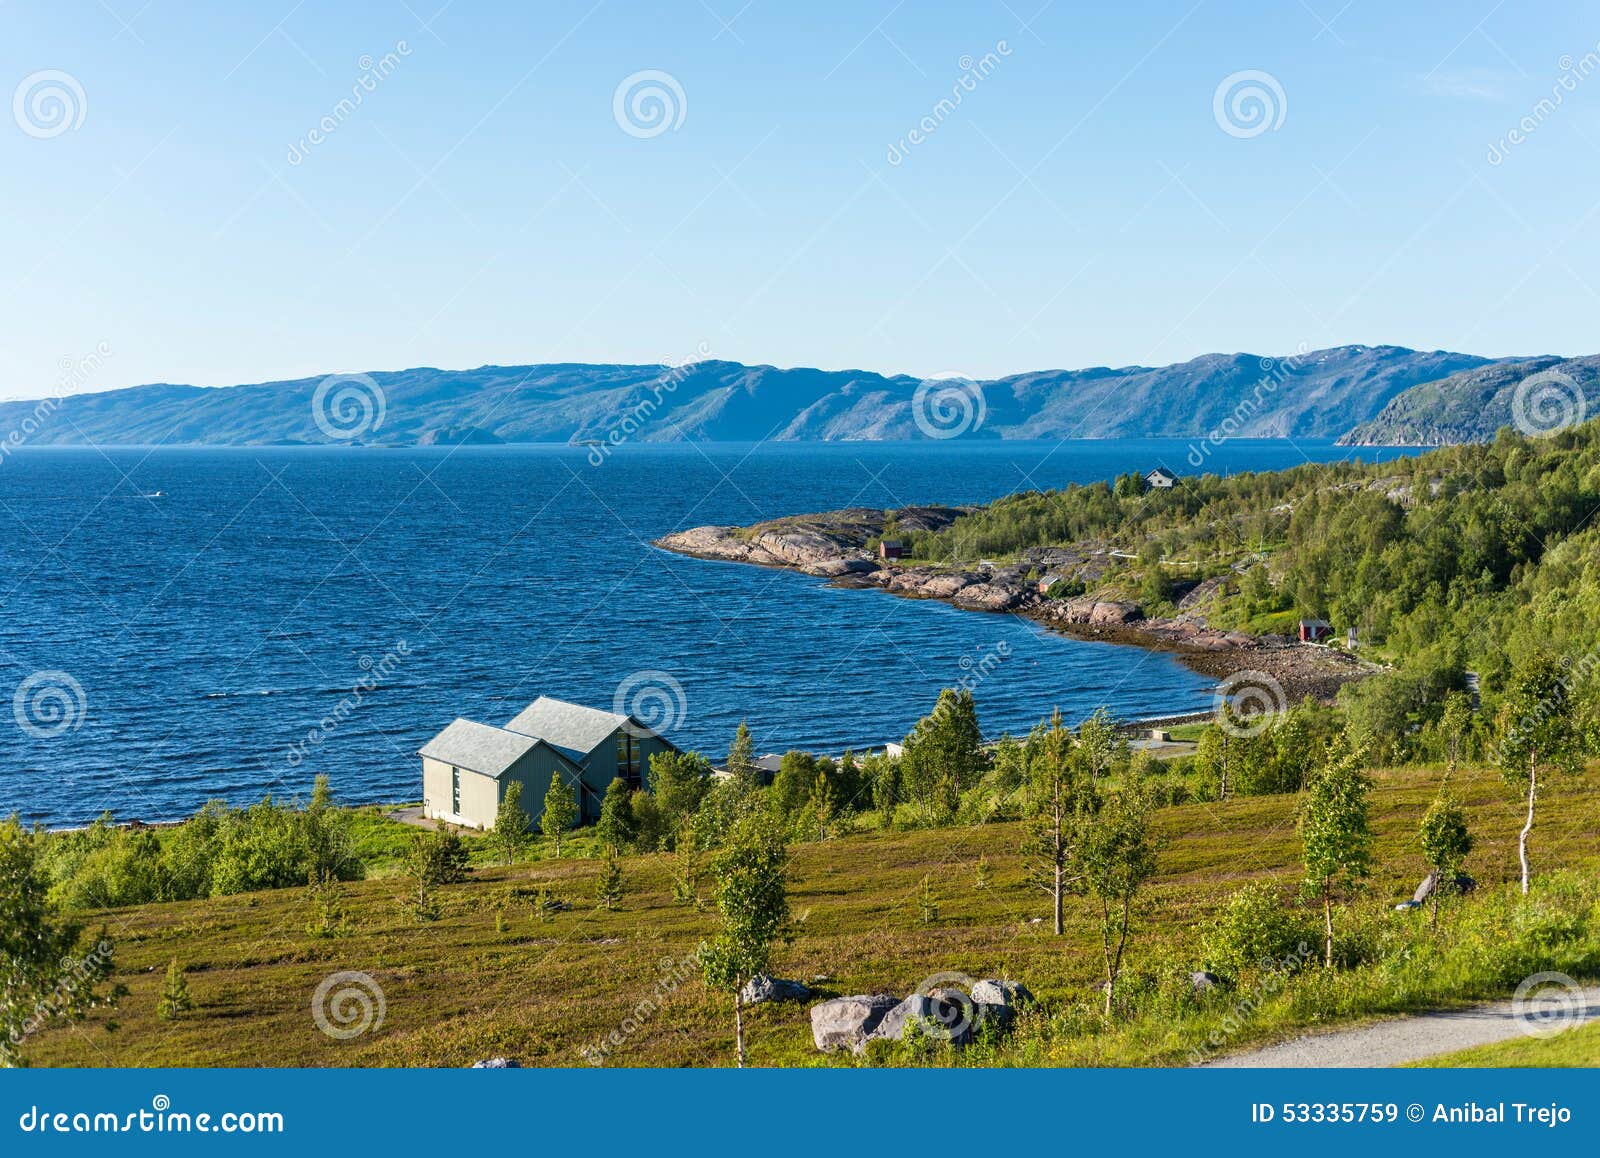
[833,546]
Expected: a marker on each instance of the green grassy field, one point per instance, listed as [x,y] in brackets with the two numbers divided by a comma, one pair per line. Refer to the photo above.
[1575,1047]
[456,989]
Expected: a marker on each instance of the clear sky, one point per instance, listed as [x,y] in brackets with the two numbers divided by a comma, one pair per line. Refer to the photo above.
[1087,201]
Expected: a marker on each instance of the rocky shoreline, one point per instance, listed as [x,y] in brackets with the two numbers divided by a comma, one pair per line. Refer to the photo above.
[834,545]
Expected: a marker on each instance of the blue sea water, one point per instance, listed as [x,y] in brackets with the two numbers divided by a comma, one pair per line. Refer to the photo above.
[182,624]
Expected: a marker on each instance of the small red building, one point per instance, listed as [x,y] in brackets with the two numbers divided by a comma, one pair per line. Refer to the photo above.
[891,549]
[1315,630]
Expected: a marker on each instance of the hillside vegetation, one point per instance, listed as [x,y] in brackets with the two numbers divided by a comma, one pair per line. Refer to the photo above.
[1469,558]
[542,988]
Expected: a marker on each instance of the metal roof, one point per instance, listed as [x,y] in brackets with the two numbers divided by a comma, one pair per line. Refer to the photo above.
[479,747]
[572,727]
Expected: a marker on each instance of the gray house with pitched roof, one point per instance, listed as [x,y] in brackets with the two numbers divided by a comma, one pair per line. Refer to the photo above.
[467,767]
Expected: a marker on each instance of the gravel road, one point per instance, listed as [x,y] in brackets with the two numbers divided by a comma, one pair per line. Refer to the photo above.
[1407,1039]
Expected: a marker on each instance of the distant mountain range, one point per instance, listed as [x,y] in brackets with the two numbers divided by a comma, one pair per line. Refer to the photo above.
[1323,394]
[1534,395]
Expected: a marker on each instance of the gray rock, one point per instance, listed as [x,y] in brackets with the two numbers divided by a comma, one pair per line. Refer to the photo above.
[1203,982]
[762,988]
[846,1021]
[497,1063]
[992,991]
[940,1014]
[1407,906]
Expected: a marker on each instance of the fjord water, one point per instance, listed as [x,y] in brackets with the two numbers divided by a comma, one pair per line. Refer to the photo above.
[217,607]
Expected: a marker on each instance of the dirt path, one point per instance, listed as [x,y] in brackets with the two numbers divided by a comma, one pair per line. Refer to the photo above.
[1407,1039]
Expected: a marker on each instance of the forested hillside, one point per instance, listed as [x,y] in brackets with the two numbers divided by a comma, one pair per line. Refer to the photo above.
[1465,558]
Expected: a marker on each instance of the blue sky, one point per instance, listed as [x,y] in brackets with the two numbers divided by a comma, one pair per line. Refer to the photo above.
[1082,205]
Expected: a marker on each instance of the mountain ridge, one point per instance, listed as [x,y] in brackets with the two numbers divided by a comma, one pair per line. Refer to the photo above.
[1323,393]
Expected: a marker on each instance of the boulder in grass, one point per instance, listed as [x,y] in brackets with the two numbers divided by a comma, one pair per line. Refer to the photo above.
[846,1021]
[1203,982]
[998,1001]
[761,988]
[939,1016]
[497,1063]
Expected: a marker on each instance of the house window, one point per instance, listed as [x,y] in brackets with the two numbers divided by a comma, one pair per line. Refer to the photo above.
[628,758]
[455,791]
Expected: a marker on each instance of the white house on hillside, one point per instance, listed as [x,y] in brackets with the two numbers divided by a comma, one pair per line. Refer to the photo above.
[467,767]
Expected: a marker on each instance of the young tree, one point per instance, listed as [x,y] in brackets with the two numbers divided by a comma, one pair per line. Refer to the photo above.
[1335,836]
[437,858]
[742,757]
[1104,748]
[175,999]
[943,755]
[511,824]
[50,975]
[1445,843]
[1536,731]
[1211,759]
[616,828]
[608,890]
[325,836]
[679,781]
[648,830]
[1455,725]
[791,787]
[1117,855]
[882,772]
[822,803]
[1057,793]
[753,904]
[560,810]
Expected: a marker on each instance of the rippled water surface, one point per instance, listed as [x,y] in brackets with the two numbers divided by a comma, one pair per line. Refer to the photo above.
[215,606]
